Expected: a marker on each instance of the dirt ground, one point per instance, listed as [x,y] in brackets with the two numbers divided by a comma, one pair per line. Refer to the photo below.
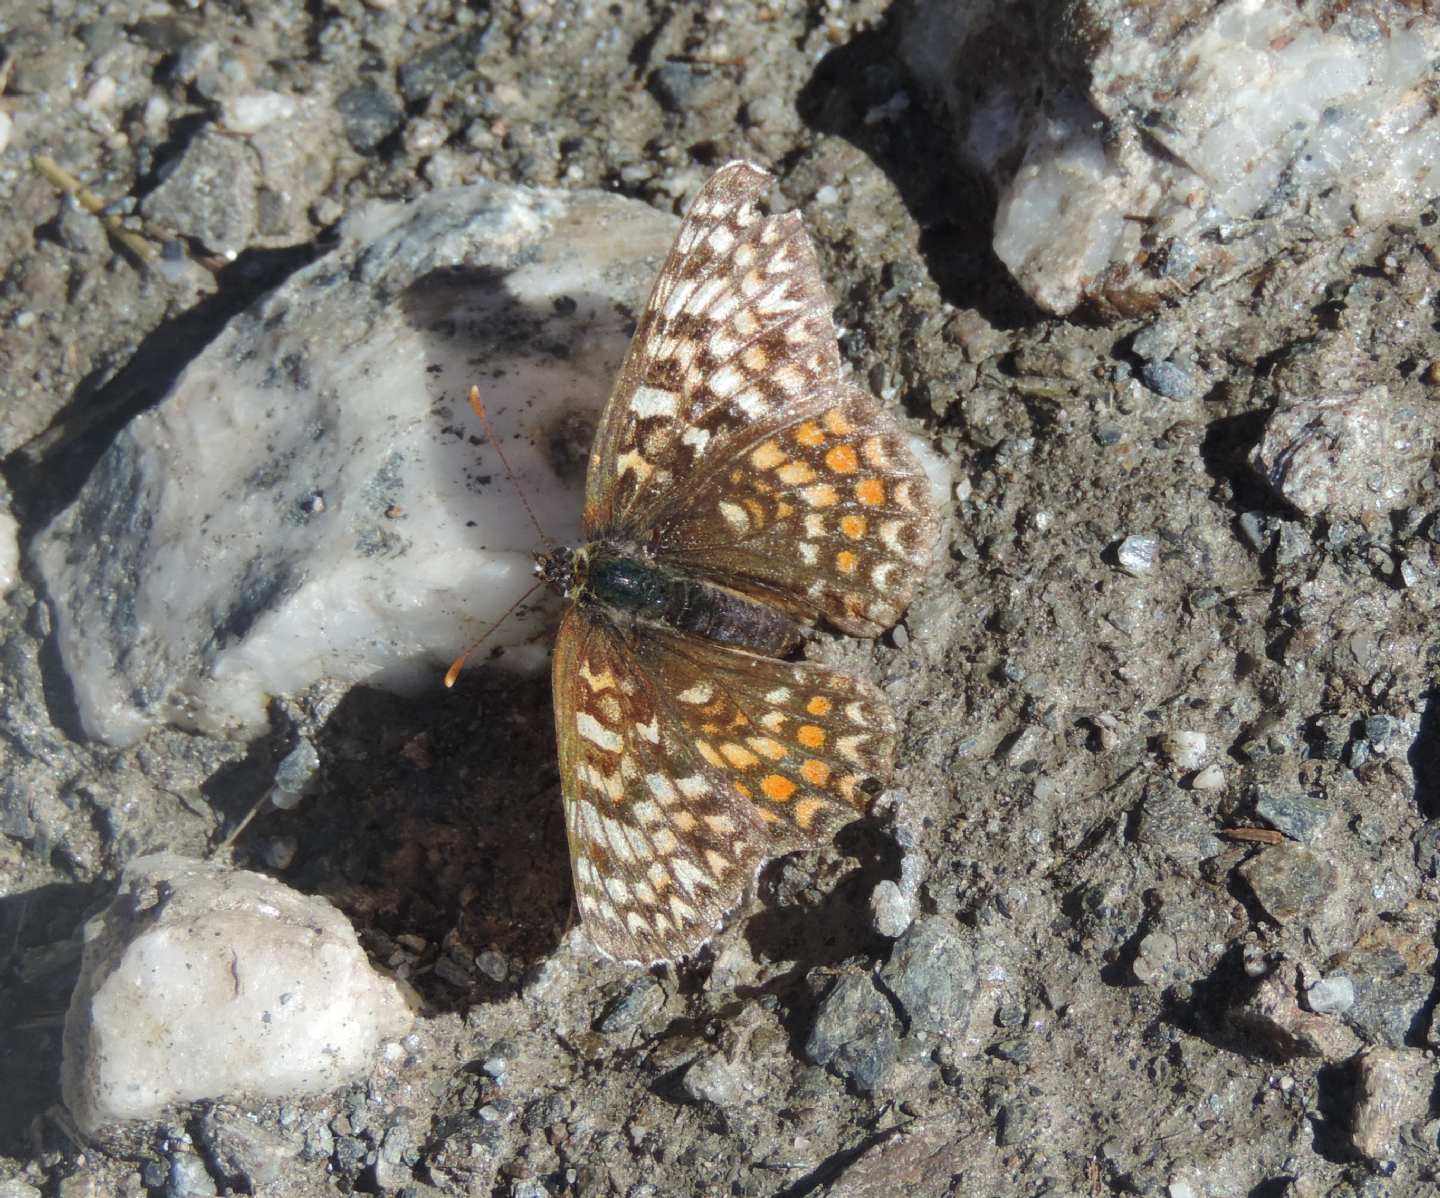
[1132,1025]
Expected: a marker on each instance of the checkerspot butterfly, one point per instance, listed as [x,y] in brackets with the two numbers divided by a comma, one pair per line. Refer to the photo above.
[738,492]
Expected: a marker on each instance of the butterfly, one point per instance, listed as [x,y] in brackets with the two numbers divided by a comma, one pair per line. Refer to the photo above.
[738,493]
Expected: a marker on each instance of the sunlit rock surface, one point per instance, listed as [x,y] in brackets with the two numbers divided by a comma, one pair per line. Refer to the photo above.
[1137,151]
[205,982]
[315,497]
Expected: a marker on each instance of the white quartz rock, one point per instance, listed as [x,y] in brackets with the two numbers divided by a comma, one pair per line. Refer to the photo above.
[315,498]
[1206,136]
[205,982]
[312,498]
[1345,453]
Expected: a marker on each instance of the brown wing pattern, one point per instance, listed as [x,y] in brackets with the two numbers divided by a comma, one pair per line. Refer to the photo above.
[686,765]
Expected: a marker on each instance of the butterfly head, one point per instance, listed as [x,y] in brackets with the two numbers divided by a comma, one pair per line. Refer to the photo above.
[564,570]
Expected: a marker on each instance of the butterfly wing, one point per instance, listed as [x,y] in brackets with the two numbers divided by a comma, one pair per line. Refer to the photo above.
[685,765]
[731,449]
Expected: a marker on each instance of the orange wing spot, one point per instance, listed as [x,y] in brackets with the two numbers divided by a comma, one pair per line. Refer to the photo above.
[684,821]
[783,509]
[812,736]
[738,755]
[809,435]
[707,751]
[756,510]
[745,791]
[817,773]
[842,460]
[870,491]
[768,816]
[714,708]
[835,421]
[777,788]
[853,526]
[741,720]
[845,562]
[818,705]
[806,810]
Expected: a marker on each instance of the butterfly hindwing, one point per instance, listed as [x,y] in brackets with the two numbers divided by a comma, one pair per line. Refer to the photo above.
[686,765]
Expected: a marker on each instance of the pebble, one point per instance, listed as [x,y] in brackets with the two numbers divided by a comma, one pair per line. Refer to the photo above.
[1334,994]
[890,909]
[1391,1090]
[189,1178]
[439,67]
[246,1154]
[209,194]
[369,115]
[855,1033]
[632,1006]
[7,124]
[259,989]
[1171,380]
[932,974]
[252,111]
[1136,554]
[1212,777]
[1291,884]
[1186,750]
[714,1080]
[1298,816]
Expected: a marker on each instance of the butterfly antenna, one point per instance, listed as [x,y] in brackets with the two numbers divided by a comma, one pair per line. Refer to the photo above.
[458,664]
[478,406]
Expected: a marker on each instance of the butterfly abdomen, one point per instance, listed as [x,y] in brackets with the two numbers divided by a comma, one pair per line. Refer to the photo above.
[637,588]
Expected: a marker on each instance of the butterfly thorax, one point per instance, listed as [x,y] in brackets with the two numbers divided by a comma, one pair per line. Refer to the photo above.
[626,582]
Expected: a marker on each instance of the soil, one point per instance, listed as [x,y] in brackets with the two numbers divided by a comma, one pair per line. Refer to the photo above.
[1125,903]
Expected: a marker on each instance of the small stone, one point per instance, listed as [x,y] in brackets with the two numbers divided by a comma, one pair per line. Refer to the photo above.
[1157,341]
[252,111]
[1212,777]
[1333,994]
[1391,1089]
[676,85]
[260,990]
[932,973]
[295,776]
[1344,453]
[1300,817]
[632,1006]
[1256,531]
[440,67]
[1186,750]
[245,1154]
[891,910]
[370,116]
[714,1080]
[493,965]
[1290,883]
[855,1033]
[1272,1014]
[1171,380]
[1136,554]
[209,194]
[189,1178]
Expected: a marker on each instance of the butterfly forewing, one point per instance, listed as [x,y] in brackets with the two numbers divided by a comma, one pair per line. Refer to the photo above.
[737,329]
[689,764]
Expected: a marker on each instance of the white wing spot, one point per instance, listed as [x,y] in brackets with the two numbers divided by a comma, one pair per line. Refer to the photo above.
[660,787]
[653,401]
[650,731]
[809,554]
[890,536]
[721,825]
[781,694]
[735,515]
[693,787]
[695,437]
[719,866]
[721,240]
[665,842]
[689,875]
[726,381]
[596,732]
[646,813]
[701,692]
[617,889]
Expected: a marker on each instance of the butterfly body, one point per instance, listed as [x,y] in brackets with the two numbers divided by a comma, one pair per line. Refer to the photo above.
[739,492]
[619,583]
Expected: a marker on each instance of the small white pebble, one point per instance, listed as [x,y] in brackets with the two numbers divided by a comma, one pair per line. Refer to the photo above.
[23,320]
[251,112]
[6,124]
[1212,777]
[827,195]
[1186,750]
[101,94]
[9,552]
[1136,554]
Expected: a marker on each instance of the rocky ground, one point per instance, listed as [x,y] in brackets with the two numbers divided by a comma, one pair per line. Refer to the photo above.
[1168,810]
